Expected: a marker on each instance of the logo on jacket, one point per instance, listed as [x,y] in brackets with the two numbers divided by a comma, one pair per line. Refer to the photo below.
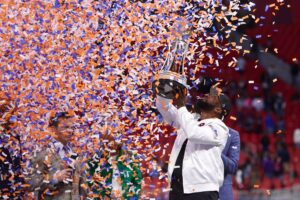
[202,124]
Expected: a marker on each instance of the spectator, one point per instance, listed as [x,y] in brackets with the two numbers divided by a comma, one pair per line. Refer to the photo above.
[265,141]
[247,171]
[268,165]
[239,178]
[258,104]
[255,174]
[270,45]
[258,123]
[250,166]
[241,64]
[11,178]
[270,124]
[281,124]
[278,104]
[114,173]
[57,171]
[294,72]
[278,167]
[266,83]
[249,122]
[230,157]
[296,136]
[283,153]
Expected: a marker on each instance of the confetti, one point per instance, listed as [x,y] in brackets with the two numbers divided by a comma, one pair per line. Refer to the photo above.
[98,58]
[232,118]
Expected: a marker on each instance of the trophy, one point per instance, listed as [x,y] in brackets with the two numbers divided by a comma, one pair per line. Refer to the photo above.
[171,76]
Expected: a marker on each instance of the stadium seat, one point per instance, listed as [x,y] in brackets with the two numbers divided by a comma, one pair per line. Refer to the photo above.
[266,183]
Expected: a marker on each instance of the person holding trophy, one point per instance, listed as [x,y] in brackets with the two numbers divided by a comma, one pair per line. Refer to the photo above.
[195,170]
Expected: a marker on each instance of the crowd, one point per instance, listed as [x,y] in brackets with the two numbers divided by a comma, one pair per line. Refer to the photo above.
[267,152]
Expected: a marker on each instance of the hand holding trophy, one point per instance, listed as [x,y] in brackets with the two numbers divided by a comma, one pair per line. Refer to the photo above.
[171,77]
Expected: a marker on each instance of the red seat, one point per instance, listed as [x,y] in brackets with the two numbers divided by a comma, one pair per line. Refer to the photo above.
[255,138]
[277,183]
[266,183]
[287,181]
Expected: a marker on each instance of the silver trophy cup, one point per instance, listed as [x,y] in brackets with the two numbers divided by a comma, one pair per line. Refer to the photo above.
[171,77]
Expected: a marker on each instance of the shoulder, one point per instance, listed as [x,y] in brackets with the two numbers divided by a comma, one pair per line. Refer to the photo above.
[234,137]
[234,133]
[215,124]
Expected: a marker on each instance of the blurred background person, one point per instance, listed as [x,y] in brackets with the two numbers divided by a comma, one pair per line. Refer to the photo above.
[114,172]
[230,157]
[296,137]
[56,170]
[11,178]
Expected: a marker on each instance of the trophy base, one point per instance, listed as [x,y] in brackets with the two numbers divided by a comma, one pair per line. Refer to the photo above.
[166,88]
[168,83]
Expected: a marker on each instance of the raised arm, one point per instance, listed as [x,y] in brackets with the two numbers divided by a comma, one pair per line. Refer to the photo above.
[231,158]
[209,133]
[167,110]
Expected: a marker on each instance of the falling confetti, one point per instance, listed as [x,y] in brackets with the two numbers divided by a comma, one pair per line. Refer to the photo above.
[98,58]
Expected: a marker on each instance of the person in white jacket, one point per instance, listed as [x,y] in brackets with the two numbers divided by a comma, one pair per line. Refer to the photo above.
[196,169]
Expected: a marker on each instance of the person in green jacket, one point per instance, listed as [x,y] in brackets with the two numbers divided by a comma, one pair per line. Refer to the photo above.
[114,173]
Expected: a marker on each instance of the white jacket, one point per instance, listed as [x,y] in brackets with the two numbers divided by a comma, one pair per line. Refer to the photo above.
[203,168]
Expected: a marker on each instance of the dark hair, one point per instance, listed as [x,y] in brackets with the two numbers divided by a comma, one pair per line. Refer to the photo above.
[225,105]
[55,120]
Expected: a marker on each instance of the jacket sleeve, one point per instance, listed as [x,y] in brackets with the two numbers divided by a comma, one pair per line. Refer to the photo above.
[231,158]
[209,134]
[39,178]
[80,176]
[167,110]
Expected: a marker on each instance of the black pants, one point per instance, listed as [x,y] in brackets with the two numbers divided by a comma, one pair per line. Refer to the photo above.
[177,192]
[214,195]
[176,183]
